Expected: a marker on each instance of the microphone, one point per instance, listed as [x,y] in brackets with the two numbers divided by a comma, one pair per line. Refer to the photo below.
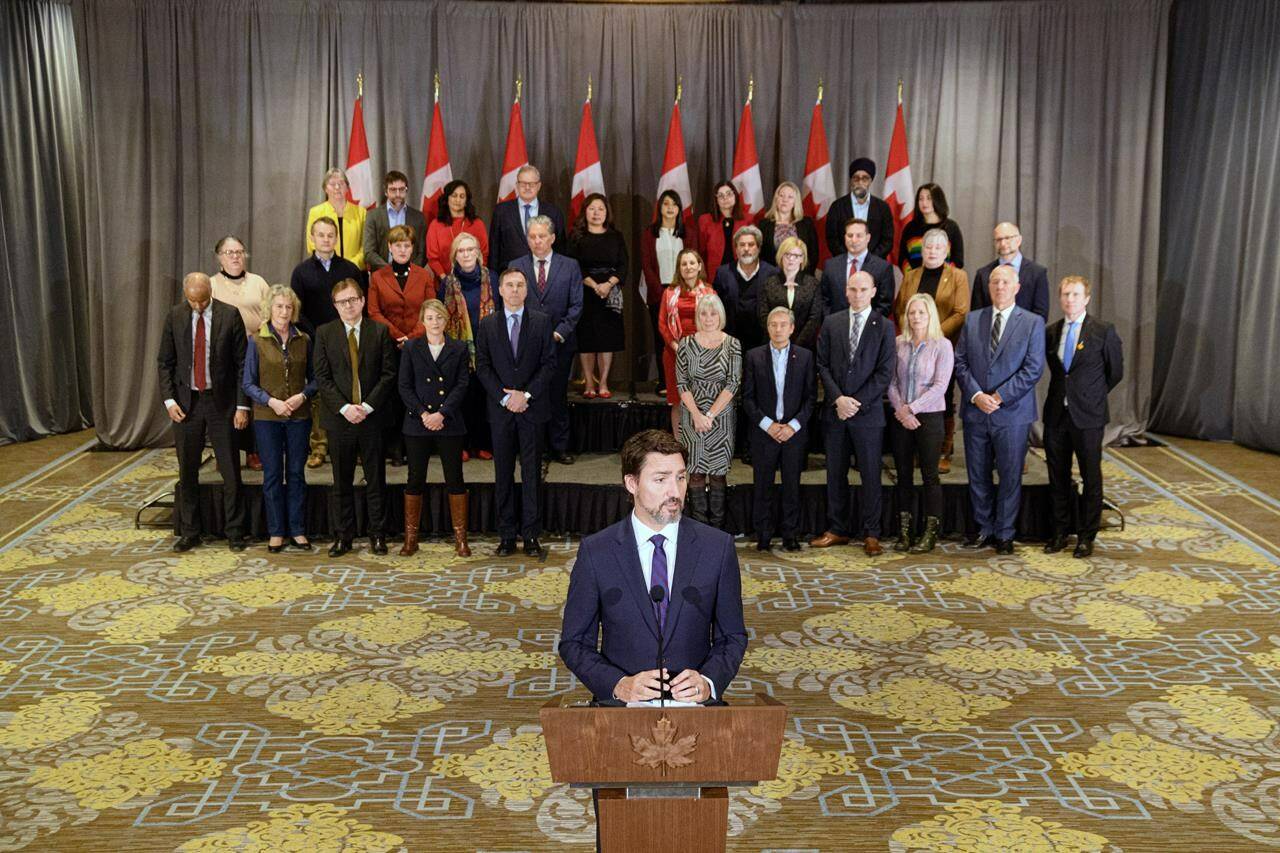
[656,595]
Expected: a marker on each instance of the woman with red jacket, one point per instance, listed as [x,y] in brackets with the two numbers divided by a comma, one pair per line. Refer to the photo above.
[678,318]
[716,230]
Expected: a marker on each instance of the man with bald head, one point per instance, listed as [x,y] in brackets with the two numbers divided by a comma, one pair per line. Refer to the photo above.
[201,358]
[1033,279]
[999,359]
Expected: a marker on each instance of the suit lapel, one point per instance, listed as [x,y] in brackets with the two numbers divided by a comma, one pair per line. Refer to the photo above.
[633,575]
[1015,319]
[188,344]
[791,379]
[686,567]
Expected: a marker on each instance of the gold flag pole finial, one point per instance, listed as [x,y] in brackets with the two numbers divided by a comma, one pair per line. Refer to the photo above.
[436,84]
[679,88]
[899,91]
[359,85]
[588,88]
[519,87]
[819,90]
[751,88]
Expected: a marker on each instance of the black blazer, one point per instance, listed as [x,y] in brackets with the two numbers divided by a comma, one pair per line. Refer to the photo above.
[434,385]
[808,307]
[226,357]
[1033,288]
[506,232]
[529,370]
[879,223]
[866,376]
[834,282]
[805,230]
[1096,368]
[378,361]
[799,386]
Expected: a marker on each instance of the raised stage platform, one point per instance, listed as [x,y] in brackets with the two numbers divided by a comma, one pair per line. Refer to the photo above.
[588,495]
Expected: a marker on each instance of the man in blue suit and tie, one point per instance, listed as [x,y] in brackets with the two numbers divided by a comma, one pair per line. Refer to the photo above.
[655,574]
[856,357]
[998,361]
[555,289]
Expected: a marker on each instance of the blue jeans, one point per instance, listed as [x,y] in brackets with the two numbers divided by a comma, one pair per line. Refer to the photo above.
[282,446]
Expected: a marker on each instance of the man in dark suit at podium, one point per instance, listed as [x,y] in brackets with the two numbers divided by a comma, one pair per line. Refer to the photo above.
[655,573]
[510,223]
[1085,362]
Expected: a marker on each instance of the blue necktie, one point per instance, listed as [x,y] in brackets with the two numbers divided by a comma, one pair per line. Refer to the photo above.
[658,577]
[1069,351]
[527,208]
[515,334]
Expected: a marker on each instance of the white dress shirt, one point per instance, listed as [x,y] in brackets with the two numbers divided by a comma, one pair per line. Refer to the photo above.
[781,357]
[509,314]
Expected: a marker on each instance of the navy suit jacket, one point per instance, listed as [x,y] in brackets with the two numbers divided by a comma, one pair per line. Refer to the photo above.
[434,385]
[704,628]
[1013,373]
[739,305]
[799,388]
[834,283]
[563,300]
[1096,368]
[507,239]
[879,223]
[530,369]
[865,377]
[1033,288]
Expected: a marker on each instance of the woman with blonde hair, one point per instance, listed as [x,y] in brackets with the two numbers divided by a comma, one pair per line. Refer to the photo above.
[467,293]
[920,379]
[278,378]
[785,218]
[349,216]
[435,372]
[677,319]
[793,288]
[708,373]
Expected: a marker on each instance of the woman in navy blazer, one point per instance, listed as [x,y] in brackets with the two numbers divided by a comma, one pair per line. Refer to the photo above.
[434,372]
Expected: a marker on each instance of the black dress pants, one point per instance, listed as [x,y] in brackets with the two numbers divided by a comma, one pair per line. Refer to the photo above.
[420,448]
[204,420]
[366,440]
[515,436]
[767,456]
[1061,441]
[924,442]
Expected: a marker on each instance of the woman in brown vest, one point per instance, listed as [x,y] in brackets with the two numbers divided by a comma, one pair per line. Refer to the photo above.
[278,379]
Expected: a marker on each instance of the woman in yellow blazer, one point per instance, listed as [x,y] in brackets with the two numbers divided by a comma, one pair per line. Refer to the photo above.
[949,288]
[348,215]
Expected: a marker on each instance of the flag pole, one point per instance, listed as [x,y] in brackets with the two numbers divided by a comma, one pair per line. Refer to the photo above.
[751,88]
[679,87]
[588,88]
[359,84]
[519,86]
[436,84]
[899,91]
[819,90]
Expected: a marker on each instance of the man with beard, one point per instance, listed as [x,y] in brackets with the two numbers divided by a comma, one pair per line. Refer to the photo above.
[861,204]
[738,286]
[655,574]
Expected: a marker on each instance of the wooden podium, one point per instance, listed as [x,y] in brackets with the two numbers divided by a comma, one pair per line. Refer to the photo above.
[662,774]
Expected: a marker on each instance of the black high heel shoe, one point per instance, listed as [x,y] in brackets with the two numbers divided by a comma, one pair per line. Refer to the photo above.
[301,546]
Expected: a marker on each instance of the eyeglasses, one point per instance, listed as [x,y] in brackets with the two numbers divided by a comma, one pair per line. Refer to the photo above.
[234,253]
[528,183]
[726,194]
[348,302]
[795,256]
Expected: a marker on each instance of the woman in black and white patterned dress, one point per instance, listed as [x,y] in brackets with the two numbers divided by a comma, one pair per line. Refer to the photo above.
[708,372]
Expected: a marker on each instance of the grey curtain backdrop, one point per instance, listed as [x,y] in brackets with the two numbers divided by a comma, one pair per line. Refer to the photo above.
[213,117]
[44,330]
[1220,263]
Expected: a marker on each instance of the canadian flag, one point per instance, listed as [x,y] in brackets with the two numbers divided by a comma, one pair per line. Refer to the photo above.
[359,168]
[819,184]
[515,156]
[439,172]
[746,168]
[675,168]
[898,189]
[587,176]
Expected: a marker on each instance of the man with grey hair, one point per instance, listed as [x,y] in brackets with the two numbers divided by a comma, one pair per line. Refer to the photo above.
[555,289]
[738,286]
[781,390]
[200,363]
[509,228]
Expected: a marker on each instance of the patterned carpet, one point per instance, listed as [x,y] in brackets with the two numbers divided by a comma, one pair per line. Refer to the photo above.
[218,701]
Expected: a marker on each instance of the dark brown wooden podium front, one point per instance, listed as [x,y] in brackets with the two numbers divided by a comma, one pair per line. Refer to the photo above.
[662,774]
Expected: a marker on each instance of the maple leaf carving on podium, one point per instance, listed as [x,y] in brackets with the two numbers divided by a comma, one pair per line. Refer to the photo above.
[664,750]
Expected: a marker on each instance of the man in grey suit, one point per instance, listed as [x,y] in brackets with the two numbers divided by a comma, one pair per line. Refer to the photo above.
[999,359]
[395,187]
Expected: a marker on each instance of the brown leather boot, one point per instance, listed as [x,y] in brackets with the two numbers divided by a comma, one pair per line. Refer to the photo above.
[458,515]
[412,518]
[948,445]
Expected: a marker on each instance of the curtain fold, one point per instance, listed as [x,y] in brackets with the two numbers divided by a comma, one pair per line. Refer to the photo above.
[44,330]
[1220,260]
[220,117]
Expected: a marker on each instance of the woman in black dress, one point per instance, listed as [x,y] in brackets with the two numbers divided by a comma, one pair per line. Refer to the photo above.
[599,249]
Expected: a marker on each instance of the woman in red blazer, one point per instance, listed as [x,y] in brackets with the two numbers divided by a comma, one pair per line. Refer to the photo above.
[396,294]
[716,230]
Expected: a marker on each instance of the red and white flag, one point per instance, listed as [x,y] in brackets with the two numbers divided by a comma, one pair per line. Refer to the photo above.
[819,184]
[675,168]
[587,176]
[746,168]
[899,192]
[515,156]
[438,172]
[359,168]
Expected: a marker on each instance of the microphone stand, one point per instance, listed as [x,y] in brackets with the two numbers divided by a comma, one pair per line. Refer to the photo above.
[657,594]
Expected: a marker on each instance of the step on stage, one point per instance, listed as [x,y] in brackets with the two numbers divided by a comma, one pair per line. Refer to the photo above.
[588,495]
